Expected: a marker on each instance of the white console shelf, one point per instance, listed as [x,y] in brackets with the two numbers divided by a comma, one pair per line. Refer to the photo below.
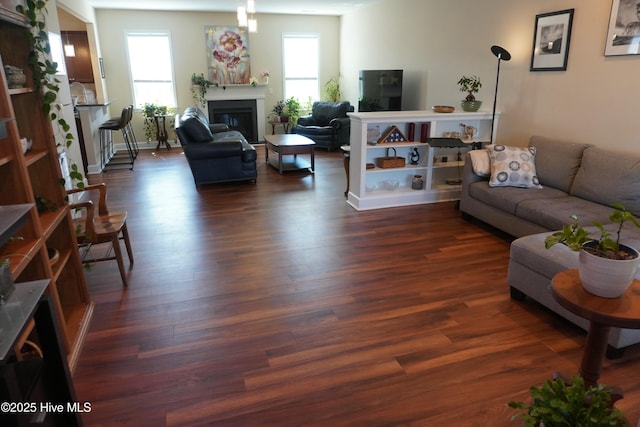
[439,167]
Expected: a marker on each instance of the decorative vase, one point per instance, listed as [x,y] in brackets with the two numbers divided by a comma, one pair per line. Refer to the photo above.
[15,77]
[265,80]
[470,106]
[417,183]
[607,278]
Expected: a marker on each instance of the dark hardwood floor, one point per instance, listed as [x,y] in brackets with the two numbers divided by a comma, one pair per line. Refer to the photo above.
[277,304]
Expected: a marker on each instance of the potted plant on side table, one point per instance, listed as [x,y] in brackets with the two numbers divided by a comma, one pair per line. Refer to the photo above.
[606,267]
[292,110]
[277,112]
[470,85]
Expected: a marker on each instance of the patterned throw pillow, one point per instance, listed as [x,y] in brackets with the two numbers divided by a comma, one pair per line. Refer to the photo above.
[513,166]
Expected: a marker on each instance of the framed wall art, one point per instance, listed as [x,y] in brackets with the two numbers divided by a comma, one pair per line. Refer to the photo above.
[623,36]
[551,38]
[228,60]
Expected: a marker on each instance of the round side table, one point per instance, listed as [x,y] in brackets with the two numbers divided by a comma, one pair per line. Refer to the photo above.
[602,313]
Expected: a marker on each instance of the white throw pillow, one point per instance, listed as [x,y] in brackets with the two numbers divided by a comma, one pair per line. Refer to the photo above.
[480,162]
[513,166]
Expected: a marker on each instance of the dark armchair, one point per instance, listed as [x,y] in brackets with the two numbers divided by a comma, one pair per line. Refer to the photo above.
[328,125]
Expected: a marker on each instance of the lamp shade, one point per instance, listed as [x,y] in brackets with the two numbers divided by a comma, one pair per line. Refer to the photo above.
[500,52]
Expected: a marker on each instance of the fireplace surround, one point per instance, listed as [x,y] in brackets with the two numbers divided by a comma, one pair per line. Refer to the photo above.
[238,114]
[239,102]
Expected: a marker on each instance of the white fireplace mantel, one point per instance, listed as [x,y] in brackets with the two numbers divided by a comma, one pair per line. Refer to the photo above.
[233,92]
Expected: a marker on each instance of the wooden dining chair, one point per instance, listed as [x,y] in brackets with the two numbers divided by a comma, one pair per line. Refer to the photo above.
[101,227]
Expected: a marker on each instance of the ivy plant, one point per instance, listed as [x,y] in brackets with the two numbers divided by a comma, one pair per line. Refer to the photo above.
[44,71]
[199,86]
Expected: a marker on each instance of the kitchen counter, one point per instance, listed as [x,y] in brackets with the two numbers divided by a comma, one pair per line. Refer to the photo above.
[92,116]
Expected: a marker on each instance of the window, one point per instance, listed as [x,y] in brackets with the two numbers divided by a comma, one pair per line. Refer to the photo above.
[301,71]
[151,69]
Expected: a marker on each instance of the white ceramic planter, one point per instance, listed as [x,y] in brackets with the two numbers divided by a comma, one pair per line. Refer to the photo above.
[607,278]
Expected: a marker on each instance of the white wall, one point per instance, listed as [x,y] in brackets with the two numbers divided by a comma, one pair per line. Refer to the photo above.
[436,42]
[188,45]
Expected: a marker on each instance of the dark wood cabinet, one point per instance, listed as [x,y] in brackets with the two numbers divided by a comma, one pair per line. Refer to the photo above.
[78,66]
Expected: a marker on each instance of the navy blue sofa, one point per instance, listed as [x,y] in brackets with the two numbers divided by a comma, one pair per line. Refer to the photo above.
[214,153]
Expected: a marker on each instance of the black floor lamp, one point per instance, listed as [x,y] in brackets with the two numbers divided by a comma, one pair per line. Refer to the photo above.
[503,55]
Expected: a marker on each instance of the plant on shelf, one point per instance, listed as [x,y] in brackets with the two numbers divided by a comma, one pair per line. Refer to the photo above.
[470,85]
[199,86]
[332,90]
[559,403]
[624,259]
[44,74]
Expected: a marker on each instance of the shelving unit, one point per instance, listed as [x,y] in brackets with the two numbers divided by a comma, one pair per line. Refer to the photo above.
[32,177]
[371,189]
[36,380]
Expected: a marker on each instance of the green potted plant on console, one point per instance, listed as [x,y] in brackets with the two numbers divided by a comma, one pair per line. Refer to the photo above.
[470,85]
[607,267]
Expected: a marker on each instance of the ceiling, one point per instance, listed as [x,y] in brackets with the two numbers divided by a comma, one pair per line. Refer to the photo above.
[303,7]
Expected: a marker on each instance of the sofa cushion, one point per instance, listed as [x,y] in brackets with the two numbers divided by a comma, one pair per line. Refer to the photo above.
[557,162]
[323,112]
[194,129]
[213,150]
[513,167]
[508,198]
[608,177]
[555,213]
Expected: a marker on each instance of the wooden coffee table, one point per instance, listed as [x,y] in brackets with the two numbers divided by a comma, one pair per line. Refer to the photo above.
[289,145]
[602,313]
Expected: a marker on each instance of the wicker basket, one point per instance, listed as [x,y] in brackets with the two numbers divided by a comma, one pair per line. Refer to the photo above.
[390,161]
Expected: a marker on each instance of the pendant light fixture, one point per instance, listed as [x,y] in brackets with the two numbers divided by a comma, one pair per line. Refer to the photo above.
[246,16]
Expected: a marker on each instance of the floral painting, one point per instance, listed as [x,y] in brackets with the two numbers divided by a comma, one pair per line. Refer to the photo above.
[227,55]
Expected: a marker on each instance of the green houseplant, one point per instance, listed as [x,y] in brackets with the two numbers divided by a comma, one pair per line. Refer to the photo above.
[277,111]
[199,86]
[332,90]
[292,110]
[470,85]
[559,403]
[149,111]
[606,266]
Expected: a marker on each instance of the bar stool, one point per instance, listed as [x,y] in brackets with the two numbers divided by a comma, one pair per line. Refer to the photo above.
[107,153]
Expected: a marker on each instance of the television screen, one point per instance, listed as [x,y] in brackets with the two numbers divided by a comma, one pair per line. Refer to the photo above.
[380,90]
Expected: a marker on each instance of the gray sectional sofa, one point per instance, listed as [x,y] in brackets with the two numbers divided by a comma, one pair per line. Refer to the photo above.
[576,178]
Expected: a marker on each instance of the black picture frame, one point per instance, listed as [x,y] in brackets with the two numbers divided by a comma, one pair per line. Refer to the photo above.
[551,40]
[623,34]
